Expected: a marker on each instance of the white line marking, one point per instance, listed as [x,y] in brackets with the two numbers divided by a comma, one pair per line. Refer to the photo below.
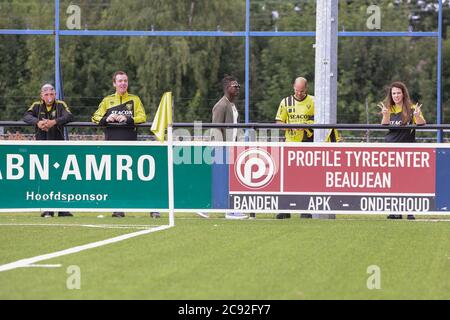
[10,210]
[43,266]
[28,261]
[104,226]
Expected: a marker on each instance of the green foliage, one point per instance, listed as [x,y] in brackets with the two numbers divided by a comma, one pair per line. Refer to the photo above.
[192,67]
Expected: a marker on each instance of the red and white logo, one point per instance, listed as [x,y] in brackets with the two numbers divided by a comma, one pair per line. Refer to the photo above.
[255,168]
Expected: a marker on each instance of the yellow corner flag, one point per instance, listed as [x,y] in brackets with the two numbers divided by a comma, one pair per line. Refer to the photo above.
[163,116]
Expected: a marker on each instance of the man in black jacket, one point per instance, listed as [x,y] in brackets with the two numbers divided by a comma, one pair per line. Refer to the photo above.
[49,115]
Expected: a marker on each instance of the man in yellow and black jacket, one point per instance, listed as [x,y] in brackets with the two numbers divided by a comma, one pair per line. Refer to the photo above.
[124,108]
[120,107]
[297,109]
[48,115]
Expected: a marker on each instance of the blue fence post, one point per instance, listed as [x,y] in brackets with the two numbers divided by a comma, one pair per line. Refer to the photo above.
[247,61]
[439,74]
[57,65]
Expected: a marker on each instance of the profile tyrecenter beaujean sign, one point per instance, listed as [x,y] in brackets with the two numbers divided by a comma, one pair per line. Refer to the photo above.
[335,178]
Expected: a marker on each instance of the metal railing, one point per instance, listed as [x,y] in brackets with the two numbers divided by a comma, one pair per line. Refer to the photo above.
[259,125]
[368,133]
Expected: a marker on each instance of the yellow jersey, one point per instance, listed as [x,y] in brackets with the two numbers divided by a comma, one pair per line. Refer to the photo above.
[293,111]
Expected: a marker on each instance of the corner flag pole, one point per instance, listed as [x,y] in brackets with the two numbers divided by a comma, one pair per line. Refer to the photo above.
[170,174]
[161,122]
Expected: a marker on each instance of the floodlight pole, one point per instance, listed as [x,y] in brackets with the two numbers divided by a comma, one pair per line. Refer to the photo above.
[325,84]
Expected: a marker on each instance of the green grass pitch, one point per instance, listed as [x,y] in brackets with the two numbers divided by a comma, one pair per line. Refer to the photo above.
[221,259]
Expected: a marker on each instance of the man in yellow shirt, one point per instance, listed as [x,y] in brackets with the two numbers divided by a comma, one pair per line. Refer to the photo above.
[121,107]
[297,109]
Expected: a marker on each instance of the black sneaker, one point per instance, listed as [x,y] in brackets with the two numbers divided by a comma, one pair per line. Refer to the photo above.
[118,214]
[155,215]
[64,214]
[47,214]
[306,215]
[394,216]
[283,216]
[411,217]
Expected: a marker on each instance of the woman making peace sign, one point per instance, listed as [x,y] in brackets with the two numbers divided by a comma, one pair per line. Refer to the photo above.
[397,109]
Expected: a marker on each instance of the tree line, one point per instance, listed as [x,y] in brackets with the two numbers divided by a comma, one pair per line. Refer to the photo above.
[192,67]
